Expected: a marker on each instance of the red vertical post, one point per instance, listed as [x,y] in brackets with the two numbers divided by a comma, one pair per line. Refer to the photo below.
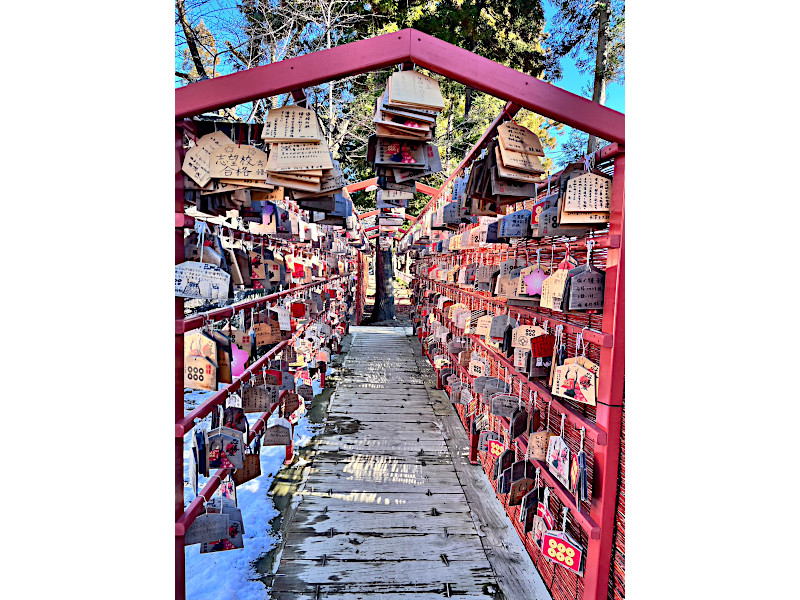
[289,453]
[180,565]
[609,401]
[473,443]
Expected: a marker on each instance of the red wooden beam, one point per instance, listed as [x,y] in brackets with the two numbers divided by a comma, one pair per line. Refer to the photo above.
[361,185]
[292,74]
[529,92]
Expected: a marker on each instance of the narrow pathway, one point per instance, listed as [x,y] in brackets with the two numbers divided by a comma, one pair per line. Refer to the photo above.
[387,510]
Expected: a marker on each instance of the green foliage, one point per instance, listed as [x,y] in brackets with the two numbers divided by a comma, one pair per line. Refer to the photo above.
[573,33]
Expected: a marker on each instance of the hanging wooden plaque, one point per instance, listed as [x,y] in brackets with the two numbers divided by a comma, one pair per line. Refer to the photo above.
[537,445]
[483,439]
[291,123]
[504,405]
[300,157]
[201,280]
[223,358]
[518,138]
[522,335]
[291,402]
[559,548]
[267,333]
[588,193]
[521,359]
[586,290]
[258,398]
[199,373]
[206,528]
[530,163]
[542,345]
[494,448]
[574,382]
[279,434]
[558,459]
[478,368]
[232,161]
[516,175]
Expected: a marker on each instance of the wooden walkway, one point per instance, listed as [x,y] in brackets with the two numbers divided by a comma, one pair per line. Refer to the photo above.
[391,507]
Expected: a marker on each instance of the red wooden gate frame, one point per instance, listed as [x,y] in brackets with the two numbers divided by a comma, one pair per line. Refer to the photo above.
[522,91]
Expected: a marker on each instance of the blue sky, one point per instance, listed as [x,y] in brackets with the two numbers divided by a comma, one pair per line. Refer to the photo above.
[574,81]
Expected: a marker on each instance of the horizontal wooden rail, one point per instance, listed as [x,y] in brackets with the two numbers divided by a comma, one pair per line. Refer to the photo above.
[219,314]
[187,422]
[604,340]
[192,511]
[592,430]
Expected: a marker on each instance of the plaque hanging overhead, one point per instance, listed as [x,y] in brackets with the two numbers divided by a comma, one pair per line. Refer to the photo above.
[291,124]
[518,138]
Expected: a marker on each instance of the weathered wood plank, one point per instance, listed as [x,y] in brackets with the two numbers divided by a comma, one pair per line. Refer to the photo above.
[381,523]
[355,576]
[359,547]
[384,501]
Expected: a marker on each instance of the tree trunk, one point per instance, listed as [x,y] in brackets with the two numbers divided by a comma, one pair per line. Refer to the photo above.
[599,93]
[190,41]
[383,310]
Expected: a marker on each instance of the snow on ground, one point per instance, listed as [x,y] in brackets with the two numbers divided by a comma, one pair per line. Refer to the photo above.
[231,575]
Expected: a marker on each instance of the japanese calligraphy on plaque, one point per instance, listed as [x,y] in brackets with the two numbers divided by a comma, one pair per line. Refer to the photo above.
[299,157]
[291,123]
[586,291]
[588,193]
[519,139]
[201,280]
[238,162]
[197,161]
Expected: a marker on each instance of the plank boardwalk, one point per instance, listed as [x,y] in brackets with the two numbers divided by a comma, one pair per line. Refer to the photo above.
[391,508]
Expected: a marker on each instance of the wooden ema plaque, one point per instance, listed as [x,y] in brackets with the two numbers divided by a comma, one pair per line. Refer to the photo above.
[522,335]
[484,438]
[300,157]
[575,382]
[503,405]
[465,396]
[197,161]
[523,478]
[206,528]
[521,358]
[494,448]
[542,345]
[538,443]
[519,424]
[484,325]
[224,358]
[291,124]
[557,546]
[201,280]
[515,225]
[225,449]
[588,193]
[232,161]
[396,152]
[267,333]
[530,163]
[258,398]
[234,536]
[519,139]
[279,434]
[199,373]
[513,174]
[553,290]
[291,402]
[558,454]
[586,290]
[249,471]
[414,89]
